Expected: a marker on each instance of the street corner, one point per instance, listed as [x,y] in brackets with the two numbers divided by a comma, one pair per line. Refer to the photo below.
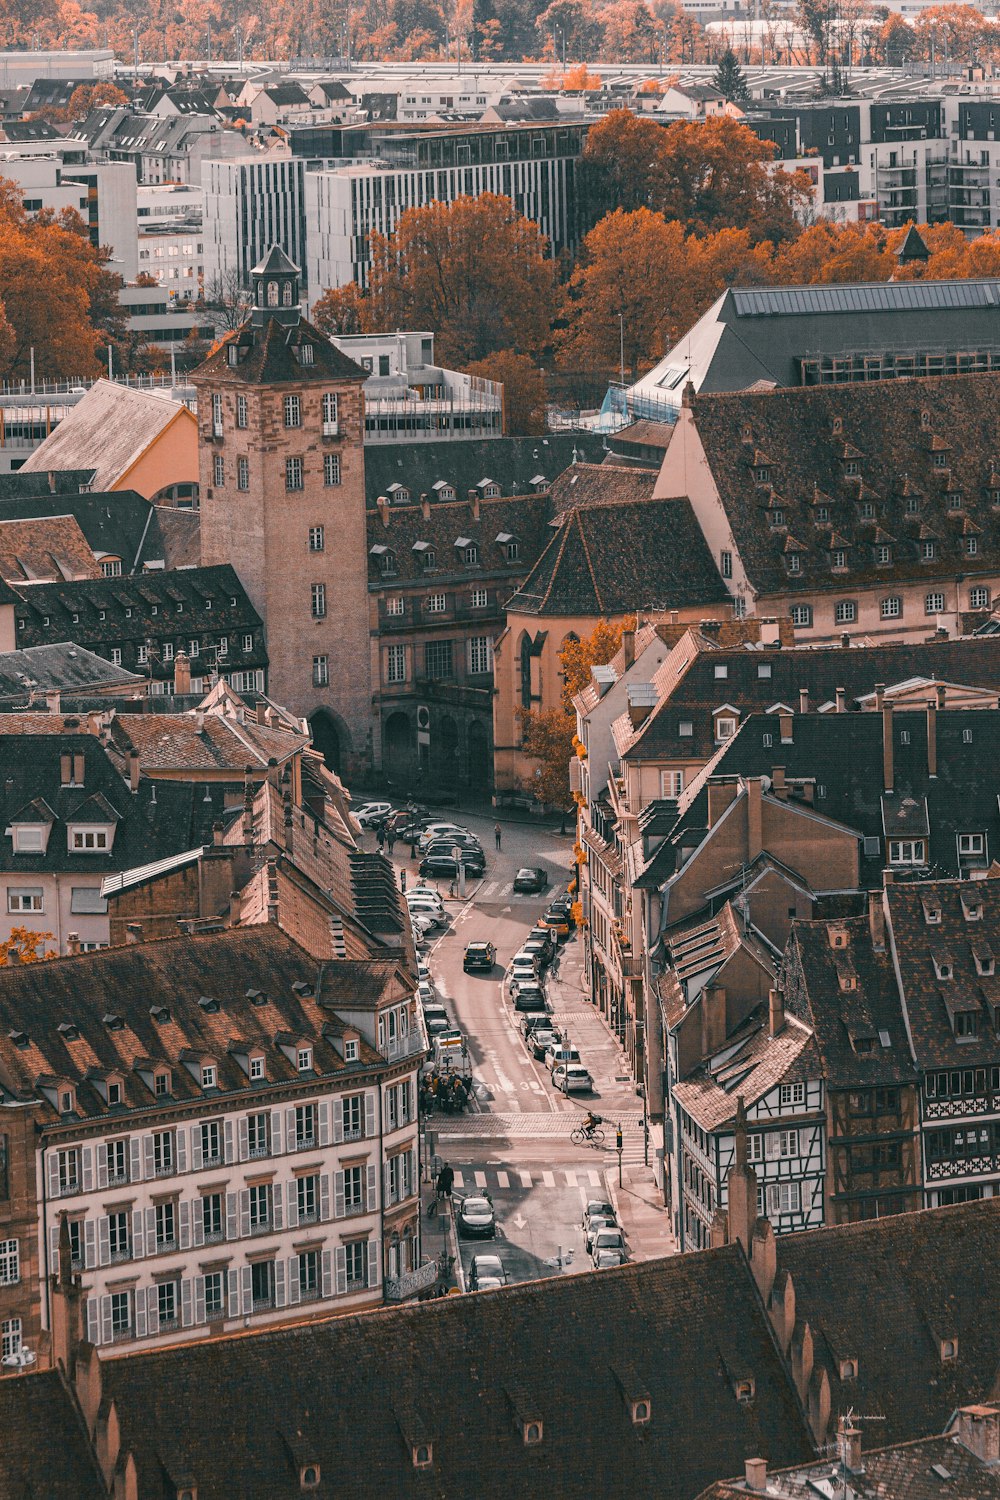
[639,1205]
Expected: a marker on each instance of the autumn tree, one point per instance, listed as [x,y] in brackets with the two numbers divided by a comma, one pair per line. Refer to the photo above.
[718,175]
[523,390]
[342,310]
[623,165]
[730,79]
[26,947]
[596,649]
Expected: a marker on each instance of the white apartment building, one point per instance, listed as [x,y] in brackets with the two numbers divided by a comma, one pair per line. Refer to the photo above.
[250,205]
[171,236]
[408,398]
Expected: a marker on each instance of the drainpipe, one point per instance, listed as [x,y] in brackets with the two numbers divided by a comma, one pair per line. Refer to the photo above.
[382,1175]
[45,1240]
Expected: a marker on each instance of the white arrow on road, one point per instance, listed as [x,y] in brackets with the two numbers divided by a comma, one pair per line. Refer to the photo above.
[519,1221]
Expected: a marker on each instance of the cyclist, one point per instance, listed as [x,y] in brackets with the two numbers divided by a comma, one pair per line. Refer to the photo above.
[590,1124]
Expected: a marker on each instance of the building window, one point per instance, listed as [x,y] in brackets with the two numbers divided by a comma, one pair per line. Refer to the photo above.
[213,1294]
[321,671]
[791,1094]
[319,601]
[685,728]
[121,1315]
[116,656]
[794,564]
[217,415]
[242,473]
[260,1207]
[308,1264]
[671,783]
[10,1337]
[163,1152]
[438,660]
[88,839]
[208,1076]
[293,474]
[725,728]
[25,898]
[211,1142]
[354,1190]
[194,647]
[891,608]
[479,599]
[118,1236]
[470,556]
[933,604]
[219,470]
[331,414]
[928,551]
[304,1062]
[979,598]
[331,469]
[971,546]
[166,1303]
[307,1197]
[801,613]
[907,852]
[726,564]
[293,411]
[350,1051]
[111,567]
[317,538]
[480,654]
[437,604]
[142,655]
[395,664]
[838,558]
[353,1117]
[394,605]
[247,643]
[784,1198]
[69,1170]
[241,411]
[262,1284]
[357,1264]
[258,1134]
[166,1226]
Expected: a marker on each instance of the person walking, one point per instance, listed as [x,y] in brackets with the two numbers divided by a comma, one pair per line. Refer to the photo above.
[496,834]
[380,838]
[391,840]
[445,1183]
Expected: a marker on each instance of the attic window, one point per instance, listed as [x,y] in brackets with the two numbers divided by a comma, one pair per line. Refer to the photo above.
[351,1051]
[257,997]
[20,1039]
[949,1349]
[67,1102]
[309,1477]
[966,1024]
[234,354]
[305,353]
[747,433]
[744,1390]
[838,426]
[848,1369]
[642,1412]
[932,915]
[68,1031]
[943,967]
[208,1005]
[423,1455]
[300,987]
[209,1076]
[532,1434]
[985,965]
[113,1022]
[159,1013]
[838,937]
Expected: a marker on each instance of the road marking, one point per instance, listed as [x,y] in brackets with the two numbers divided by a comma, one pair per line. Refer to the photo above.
[595,1179]
[570,1179]
[503,1180]
[525,1179]
[485,892]
[459,1180]
[480,1179]
[548,1179]
[519,1221]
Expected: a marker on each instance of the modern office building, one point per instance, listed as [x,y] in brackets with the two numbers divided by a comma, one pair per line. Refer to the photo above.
[250,205]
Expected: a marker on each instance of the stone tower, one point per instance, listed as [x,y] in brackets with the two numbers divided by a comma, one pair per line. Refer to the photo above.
[282,475]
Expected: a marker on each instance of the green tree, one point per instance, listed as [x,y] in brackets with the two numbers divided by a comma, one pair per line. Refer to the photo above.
[730,79]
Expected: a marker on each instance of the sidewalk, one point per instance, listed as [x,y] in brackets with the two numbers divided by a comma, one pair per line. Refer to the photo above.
[639,1205]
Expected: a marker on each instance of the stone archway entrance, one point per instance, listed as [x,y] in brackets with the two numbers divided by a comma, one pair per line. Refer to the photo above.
[330,738]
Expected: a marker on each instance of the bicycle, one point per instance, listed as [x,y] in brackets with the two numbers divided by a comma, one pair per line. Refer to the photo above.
[592,1137]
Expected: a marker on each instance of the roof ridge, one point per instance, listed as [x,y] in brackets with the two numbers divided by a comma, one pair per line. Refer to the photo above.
[590,565]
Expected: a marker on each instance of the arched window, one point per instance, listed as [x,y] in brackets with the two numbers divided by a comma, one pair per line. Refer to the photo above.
[272,294]
[525,671]
[286,294]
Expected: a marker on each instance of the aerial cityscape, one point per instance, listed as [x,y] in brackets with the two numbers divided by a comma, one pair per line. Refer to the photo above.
[500,750]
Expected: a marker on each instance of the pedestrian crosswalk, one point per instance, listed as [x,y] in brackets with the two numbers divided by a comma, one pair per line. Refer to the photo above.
[490,892]
[562,1177]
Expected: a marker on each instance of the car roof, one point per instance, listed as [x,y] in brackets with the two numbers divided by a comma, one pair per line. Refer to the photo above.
[479,943]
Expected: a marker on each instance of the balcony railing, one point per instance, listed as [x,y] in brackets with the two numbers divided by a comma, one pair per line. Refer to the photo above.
[411,1283]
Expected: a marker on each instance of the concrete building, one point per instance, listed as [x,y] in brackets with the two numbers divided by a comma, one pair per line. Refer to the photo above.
[250,205]
[410,399]
[171,237]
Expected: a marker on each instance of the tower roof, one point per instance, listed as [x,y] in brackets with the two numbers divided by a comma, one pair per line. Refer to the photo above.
[271,354]
[913,247]
[276,262]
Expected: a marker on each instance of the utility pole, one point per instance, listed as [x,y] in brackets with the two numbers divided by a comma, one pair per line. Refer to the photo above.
[618,1148]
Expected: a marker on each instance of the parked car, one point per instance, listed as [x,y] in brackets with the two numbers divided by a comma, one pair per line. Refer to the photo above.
[425,993]
[461,838]
[423,970]
[572,1078]
[530,997]
[531,880]
[436,831]
[436,1021]
[447,848]
[604,1260]
[539,1041]
[597,1222]
[562,1052]
[486,1268]
[475,1218]
[543,935]
[607,1239]
[557,922]
[538,950]
[373,814]
[597,1208]
[422,924]
[427,902]
[523,969]
[445,867]
[479,957]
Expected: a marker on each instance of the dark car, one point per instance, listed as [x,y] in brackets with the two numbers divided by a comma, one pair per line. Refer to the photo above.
[479,957]
[542,934]
[531,880]
[540,950]
[445,866]
[530,997]
[532,1023]
[475,1217]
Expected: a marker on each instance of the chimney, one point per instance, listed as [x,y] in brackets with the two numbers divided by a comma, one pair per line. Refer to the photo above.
[778,786]
[713,1018]
[474,504]
[756,1476]
[879,696]
[876,921]
[932,713]
[803,700]
[979,1431]
[132,756]
[182,674]
[199,720]
[13,957]
[425,506]
[52,701]
[383,509]
[845,640]
[941,695]
[742,1186]
[133,932]
[722,792]
[234,908]
[67,1306]
[65,768]
[841,700]
[849,1446]
[776,1010]
[785,728]
[755,819]
[628,647]
[73,942]
[887,767]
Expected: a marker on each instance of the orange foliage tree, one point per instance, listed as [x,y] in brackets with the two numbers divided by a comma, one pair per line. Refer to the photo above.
[26,946]
[523,390]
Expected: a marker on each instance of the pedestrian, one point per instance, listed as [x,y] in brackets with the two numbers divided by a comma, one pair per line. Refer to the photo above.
[391,840]
[380,838]
[445,1182]
[496,834]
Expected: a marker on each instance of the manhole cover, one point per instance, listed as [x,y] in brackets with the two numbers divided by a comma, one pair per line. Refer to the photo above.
[622,1078]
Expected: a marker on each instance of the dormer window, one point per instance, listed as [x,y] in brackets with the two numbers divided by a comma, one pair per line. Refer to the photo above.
[641,1412]
[867,510]
[272,294]
[848,1369]
[851,467]
[85,840]
[971,546]
[256,1069]
[309,1477]
[966,1024]
[423,1455]
[304,1059]
[67,1101]
[114,1092]
[351,1051]
[209,1076]
[744,1390]
[532,1434]
[762,474]
[470,556]
[883,555]
[925,420]
[838,558]
[939,460]
[985,964]
[838,426]
[161,1084]
[822,513]
[943,967]
[907,852]
[949,1349]
[430,559]
[794,562]
[955,499]
[387,564]
[747,433]
[928,551]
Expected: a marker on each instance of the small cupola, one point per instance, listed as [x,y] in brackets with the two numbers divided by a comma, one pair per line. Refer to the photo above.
[275,283]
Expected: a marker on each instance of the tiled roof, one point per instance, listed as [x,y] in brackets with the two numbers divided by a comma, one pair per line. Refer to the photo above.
[465,1375]
[114,522]
[44,551]
[512,462]
[959,925]
[63,667]
[525,519]
[932,1468]
[609,559]
[755,1063]
[600,484]
[811,437]
[45,1451]
[159,1001]
[110,427]
[202,742]
[266,357]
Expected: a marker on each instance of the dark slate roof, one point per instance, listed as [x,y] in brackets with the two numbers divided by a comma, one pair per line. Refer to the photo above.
[612,558]
[793,434]
[120,522]
[174,974]
[929,1469]
[967,928]
[924,1278]
[842,754]
[511,462]
[822,670]
[45,1451]
[847,1023]
[525,518]
[267,358]
[601,484]
[62,667]
[465,1375]
[19,484]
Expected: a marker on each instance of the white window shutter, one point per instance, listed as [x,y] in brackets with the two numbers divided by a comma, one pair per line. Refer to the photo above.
[148,1161]
[53,1248]
[294,1291]
[374,1263]
[150,1231]
[152,1309]
[277,1146]
[323,1112]
[246,1289]
[187,1303]
[293,1205]
[90,1244]
[245,1212]
[87,1168]
[338,1121]
[244,1134]
[184,1214]
[289,1130]
[339,1201]
[180,1149]
[197,1222]
[53,1173]
[139,1313]
[387,1197]
[370,1113]
[93,1321]
[232,1220]
[372,1189]
[102,1165]
[277,1206]
[103,1241]
[105,1320]
[234,1294]
[196,1153]
[227,1136]
[135,1162]
[138,1235]
[340,1259]
[199,1299]
[279,1283]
